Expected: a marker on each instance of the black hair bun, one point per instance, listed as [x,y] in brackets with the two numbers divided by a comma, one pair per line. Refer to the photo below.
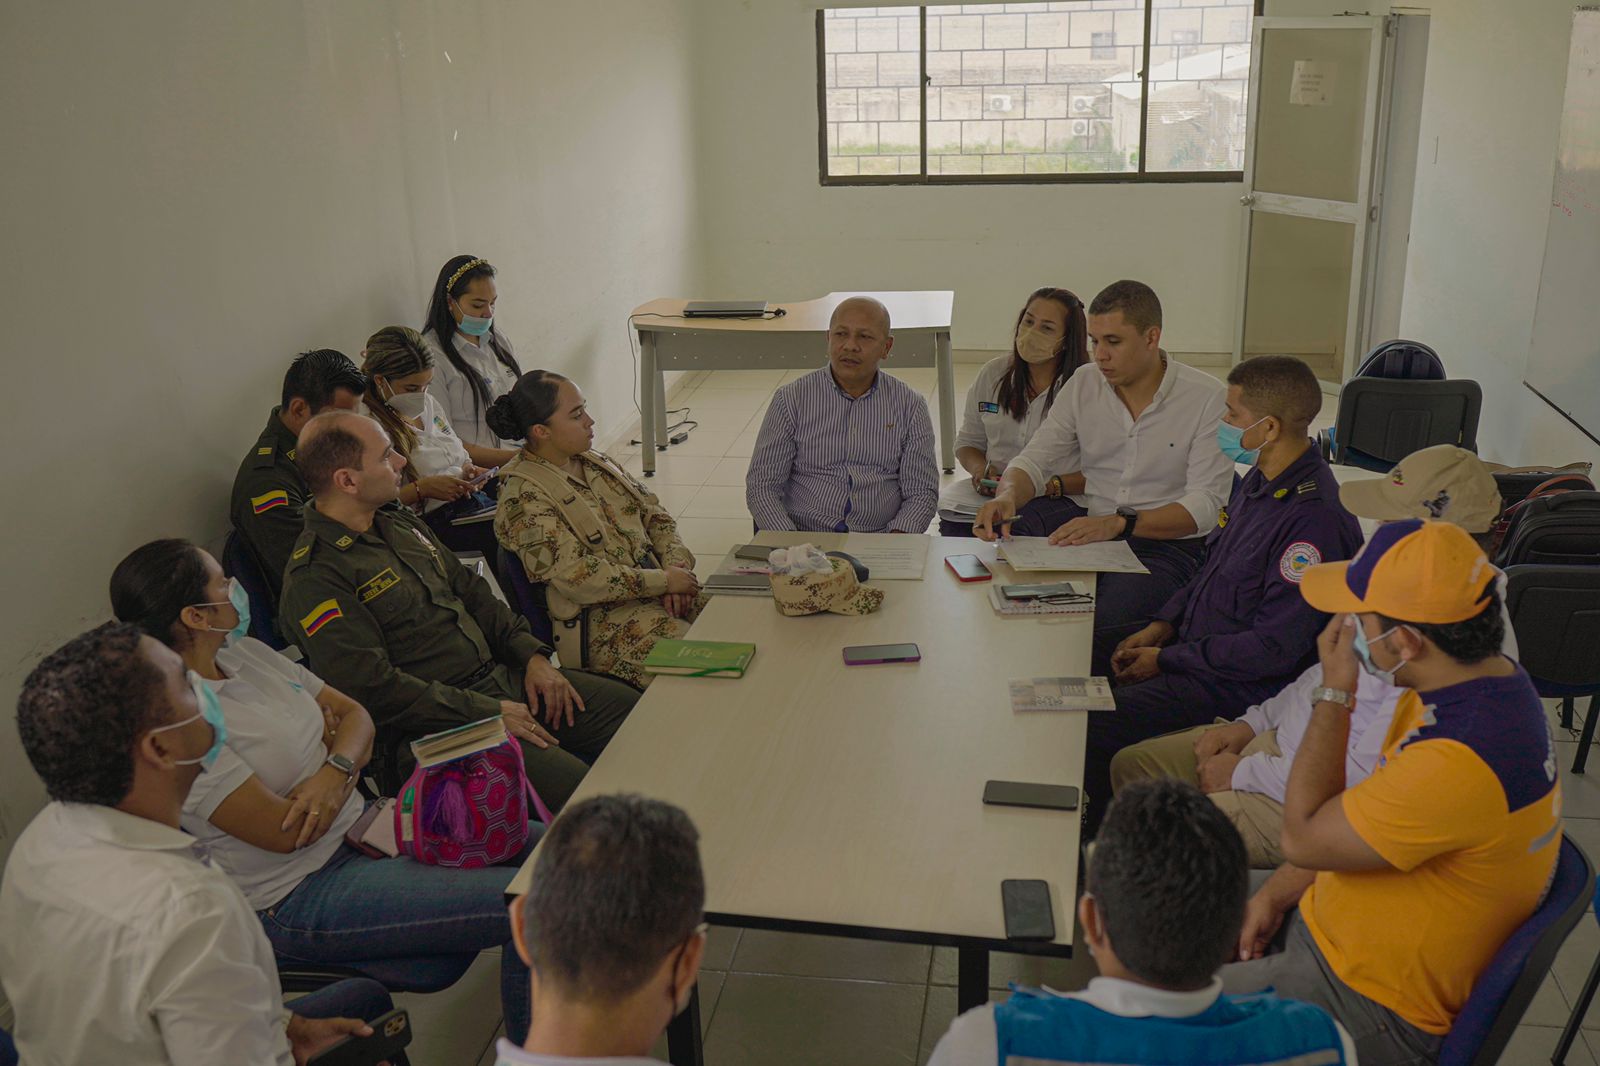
[501,418]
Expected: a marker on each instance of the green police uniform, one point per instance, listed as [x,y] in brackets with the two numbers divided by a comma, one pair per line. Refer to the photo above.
[392,618]
[269,498]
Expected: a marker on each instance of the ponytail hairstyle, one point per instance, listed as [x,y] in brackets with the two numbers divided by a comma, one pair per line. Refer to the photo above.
[455,276]
[152,586]
[531,402]
[1013,395]
[394,352]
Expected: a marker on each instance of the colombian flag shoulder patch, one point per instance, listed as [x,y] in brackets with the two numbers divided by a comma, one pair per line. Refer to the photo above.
[267,501]
[321,615]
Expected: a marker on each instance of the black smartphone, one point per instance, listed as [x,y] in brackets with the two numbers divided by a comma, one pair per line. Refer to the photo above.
[1027,909]
[867,654]
[754,552]
[1024,794]
[968,567]
[390,1034]
[1036,592]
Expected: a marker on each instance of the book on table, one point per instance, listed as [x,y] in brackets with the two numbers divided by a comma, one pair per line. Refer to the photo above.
[1062,694]
[699,658]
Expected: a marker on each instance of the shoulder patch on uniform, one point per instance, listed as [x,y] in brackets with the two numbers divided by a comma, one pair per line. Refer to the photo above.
[269,500]
[301,552]
[1306,486]
[265,449]
[321,615]
[344,541]
[1280,494]
[377,586]
[988,407]
[1298,557]
[290,454]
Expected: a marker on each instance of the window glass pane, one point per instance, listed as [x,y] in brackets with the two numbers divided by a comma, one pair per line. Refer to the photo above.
[870,68]
[1041,88]
[1199,77]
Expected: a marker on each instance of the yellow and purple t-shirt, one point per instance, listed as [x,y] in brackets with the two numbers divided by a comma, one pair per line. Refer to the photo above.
[1465,806]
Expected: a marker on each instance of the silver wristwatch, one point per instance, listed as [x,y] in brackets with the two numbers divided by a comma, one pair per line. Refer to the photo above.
[342,764]
[1344,699]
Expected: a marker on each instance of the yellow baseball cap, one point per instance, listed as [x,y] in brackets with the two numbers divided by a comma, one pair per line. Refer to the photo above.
[1411,570]
[1443,482]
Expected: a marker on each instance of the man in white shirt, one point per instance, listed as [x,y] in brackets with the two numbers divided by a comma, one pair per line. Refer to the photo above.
[1244,764]
[1164,898]
[122,942]
[1127,452]
[613,931]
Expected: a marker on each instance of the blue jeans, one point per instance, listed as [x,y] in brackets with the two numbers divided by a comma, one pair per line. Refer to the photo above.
[357,997]
[405,923]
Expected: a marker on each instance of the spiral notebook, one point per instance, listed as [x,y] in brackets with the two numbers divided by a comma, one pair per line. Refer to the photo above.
[1019,608]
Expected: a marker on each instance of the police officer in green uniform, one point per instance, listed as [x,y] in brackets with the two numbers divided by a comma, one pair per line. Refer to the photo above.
[268,492]
[387,614]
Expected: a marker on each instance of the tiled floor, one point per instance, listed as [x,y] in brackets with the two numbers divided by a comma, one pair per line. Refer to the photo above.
[778,999]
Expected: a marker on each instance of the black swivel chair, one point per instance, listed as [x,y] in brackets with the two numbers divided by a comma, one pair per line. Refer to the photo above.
[237,562]
[1555,613]
[1383,420]
[1402,360]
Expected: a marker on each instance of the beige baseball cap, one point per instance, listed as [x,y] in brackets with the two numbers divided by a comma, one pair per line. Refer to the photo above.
[1443,482]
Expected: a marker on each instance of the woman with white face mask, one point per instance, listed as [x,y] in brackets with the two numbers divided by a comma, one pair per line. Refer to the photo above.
[1010,397]
[440,480]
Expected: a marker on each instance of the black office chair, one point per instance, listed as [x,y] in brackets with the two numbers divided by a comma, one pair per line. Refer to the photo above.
[237,562]
[1555,613]
[1401,360]
[1383,420]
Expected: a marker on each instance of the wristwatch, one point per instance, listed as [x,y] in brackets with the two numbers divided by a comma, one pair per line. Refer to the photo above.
[1324,694]
[342,764]
[1052,488]
[1129,517]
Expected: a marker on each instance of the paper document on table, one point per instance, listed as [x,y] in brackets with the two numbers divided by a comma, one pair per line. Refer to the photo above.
[903,560]
[1037,553]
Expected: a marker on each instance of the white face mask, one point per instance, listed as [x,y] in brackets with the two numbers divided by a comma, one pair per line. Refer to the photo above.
[406,404]
[1034,346]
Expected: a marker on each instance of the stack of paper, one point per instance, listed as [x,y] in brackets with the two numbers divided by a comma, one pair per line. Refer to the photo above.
[1037,553]
[1062,694]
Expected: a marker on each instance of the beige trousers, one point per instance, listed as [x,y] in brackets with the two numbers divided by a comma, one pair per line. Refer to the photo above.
[1258,818]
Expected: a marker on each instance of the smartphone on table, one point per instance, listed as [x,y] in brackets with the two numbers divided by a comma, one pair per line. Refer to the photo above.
[868,654]
[1027,910]
[968,567]
[1030,794]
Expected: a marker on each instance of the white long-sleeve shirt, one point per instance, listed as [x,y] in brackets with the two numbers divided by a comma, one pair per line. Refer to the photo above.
[1169,454]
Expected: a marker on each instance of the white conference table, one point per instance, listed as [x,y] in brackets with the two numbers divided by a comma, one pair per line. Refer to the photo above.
[919,322]
[848,800]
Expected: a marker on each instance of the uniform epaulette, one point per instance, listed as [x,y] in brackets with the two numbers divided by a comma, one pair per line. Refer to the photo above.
[1305,487]
[302,550]
[265,457]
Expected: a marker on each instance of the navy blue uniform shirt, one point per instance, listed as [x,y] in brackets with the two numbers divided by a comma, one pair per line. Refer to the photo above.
[1243,617]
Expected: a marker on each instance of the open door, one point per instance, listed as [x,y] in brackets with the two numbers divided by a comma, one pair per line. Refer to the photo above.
[1314,88]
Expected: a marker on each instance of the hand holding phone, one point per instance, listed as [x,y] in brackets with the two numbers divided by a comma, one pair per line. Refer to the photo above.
[484,476]
[390,1034]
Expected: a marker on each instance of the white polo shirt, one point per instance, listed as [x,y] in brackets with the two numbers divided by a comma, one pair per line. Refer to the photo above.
[122,945]
[465,415]
[274,732]
[991,429]
[438,450]
[1168,455]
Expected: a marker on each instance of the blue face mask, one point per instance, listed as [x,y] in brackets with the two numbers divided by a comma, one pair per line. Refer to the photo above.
[473,326]
[1231,440]
[239,600]
[211,711]
[1364,653]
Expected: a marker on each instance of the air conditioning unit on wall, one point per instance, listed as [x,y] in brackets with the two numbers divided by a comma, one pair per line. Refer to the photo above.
[1082,127]
[998,102]
[1083,105]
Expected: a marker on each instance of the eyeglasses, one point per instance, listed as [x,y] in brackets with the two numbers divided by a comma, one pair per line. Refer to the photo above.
[1064,598]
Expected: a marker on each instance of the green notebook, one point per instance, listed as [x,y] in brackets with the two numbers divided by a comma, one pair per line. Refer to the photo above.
[699,658]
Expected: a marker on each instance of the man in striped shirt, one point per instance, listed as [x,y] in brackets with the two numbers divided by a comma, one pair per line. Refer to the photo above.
[846,448]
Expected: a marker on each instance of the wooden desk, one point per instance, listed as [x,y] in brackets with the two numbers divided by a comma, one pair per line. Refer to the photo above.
[848,800]
[920,323]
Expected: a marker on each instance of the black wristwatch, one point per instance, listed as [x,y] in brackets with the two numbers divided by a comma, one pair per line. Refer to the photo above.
[1129,517]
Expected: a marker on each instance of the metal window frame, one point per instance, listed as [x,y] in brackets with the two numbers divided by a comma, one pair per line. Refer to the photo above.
[1137,177]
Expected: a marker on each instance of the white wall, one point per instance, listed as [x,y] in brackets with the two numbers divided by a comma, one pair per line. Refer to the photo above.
[778,234]
[194,191]
[1490,122]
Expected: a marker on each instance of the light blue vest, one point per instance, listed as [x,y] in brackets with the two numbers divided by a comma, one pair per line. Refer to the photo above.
[1262,1030]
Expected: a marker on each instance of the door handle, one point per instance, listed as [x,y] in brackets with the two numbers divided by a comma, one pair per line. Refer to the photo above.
[1247,199]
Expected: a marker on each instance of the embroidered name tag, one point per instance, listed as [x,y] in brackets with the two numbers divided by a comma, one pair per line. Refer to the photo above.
[985,407]
[371,590]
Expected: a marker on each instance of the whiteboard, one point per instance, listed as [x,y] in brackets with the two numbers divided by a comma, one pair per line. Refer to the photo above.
[1564,357]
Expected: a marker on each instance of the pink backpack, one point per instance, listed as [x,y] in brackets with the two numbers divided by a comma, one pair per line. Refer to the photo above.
[468,812]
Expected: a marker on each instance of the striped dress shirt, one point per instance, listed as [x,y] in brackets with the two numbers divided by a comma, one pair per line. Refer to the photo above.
[825,461]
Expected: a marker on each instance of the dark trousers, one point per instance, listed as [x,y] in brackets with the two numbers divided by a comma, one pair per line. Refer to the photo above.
[1164,704]
[356,997]
[1123,603]
[948,528]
